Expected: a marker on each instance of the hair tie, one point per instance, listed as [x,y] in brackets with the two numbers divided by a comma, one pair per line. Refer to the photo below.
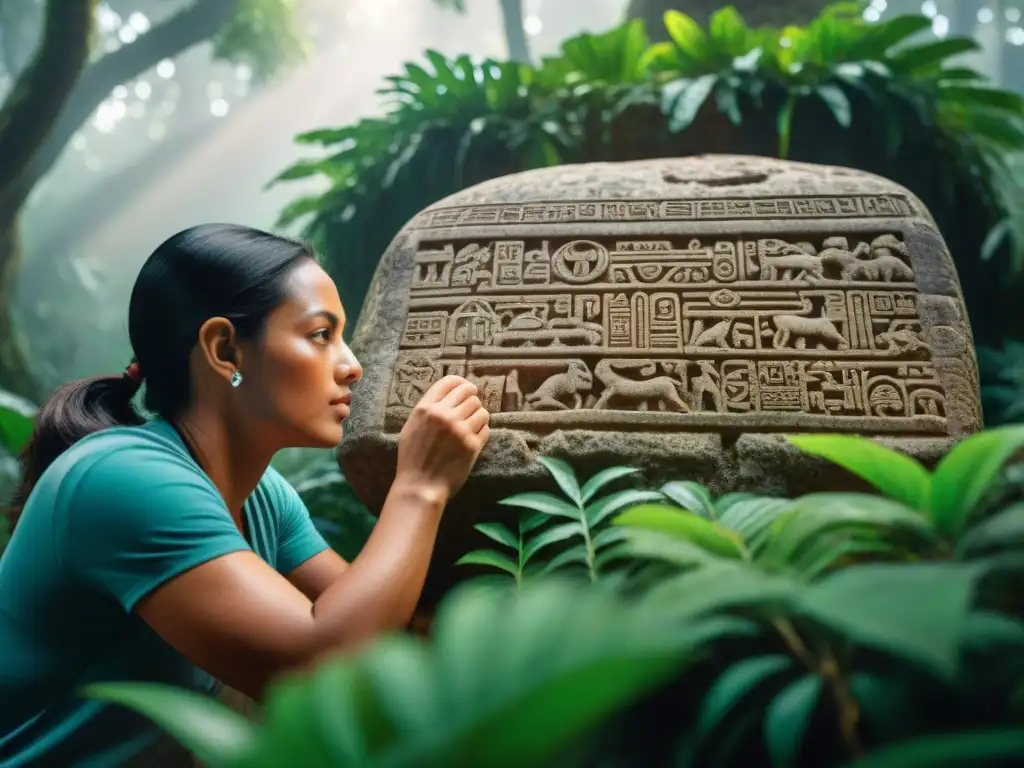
[134,372]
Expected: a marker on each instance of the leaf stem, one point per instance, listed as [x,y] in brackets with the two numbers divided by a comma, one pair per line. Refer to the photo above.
[827,667]
[589,543]
[520,565]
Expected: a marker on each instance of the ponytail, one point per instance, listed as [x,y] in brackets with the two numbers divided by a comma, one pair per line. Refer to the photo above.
[75,410]
[213,270]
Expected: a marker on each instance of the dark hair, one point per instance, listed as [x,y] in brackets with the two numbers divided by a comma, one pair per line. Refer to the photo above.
[213,270]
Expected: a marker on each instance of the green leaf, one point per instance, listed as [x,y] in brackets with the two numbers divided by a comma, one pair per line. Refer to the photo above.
[608,537]
[576,555]
[551,536]
[686,34]
[603,478]
[545,503]
[683,525]
[920,58]
[17,420]
[916,612]
[951,750]
[752,518]
[213,733]
[691,496]
[888,33]
[842,545]
[491,559]
[685,110]
[837,103]
[608,505]
[967,471]
[890,709]
[983,97]
[817,515]
[787,718]
[720,586]
[551,661]
[564,476]
[649,545]
[531,521]
[741,691]
[784,125]
[995,238]
[1001,533]
[895,474]
[499,533]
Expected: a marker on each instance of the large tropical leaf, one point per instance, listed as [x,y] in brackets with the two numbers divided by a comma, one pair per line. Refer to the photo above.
[1000,533]
[988,747]
[848,516]
[915,612]
[550,663]
[683,525]
[17,419]
[215,734]
[970,468]
[893,473]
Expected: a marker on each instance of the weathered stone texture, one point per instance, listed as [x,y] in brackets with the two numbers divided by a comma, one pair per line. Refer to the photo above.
[675,314]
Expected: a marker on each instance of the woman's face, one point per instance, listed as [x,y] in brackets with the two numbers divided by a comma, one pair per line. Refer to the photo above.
[298,377]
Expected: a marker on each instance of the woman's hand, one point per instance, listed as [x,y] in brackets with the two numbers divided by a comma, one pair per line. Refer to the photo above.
[442,439]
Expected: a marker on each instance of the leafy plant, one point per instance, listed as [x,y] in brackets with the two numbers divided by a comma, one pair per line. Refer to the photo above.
[927,516]
[499,667]
[825,671]
[17,419]
[1004,366]
[540,527]
[839,91]
[948,497]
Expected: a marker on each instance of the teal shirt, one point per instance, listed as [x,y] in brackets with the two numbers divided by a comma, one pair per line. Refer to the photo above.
[117,515]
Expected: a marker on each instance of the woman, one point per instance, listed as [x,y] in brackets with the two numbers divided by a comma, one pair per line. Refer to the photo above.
[169,550]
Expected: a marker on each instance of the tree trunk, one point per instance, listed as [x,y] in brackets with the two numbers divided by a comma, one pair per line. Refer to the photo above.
[50,101]
[15,375]
[756,13]
[515,34]
[179,33]
[26,118]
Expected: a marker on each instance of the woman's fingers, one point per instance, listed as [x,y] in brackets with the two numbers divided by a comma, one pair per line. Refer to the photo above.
[478,421]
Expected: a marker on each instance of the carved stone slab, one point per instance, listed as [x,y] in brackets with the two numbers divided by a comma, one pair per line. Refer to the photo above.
[676,314]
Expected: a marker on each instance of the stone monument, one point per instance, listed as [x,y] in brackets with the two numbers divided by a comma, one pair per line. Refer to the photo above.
[680,315]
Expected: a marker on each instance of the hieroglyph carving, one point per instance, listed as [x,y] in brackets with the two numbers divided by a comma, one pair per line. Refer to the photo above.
[808,207]
[684,333]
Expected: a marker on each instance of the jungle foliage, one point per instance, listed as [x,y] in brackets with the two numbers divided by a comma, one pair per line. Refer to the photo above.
[670,627]
[885,97]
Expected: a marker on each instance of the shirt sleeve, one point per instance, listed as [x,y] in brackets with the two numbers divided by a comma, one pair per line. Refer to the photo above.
[139,517]
[298,539]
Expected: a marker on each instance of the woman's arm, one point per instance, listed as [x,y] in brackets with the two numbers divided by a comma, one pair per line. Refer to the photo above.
[314,576]
[244,623]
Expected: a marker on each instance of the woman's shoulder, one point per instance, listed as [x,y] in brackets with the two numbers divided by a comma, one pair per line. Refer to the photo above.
[128,444]
[127,455]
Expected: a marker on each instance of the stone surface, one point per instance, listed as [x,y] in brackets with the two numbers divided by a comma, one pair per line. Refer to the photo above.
[680,315]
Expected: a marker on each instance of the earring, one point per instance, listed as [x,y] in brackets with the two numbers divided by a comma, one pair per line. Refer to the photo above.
[236,379]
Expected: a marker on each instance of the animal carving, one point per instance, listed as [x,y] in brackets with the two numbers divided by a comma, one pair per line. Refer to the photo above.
[819,330]
[715,336]
[571,385]
[793,262]
[889,266]
[661,389]
[883,263]
[900,340]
